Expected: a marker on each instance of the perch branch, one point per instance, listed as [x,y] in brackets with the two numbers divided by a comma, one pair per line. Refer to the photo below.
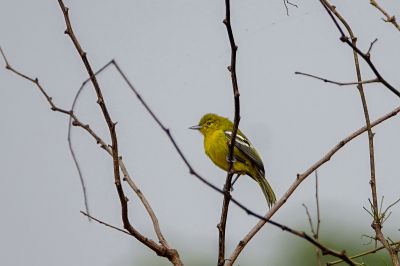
[228,182]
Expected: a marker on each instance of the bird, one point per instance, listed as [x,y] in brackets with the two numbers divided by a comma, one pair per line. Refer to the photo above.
[217,132]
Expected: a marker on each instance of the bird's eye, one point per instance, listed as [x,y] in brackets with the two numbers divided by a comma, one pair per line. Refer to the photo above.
[209,123]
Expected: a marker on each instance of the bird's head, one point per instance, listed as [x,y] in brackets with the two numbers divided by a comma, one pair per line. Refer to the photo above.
[209,123]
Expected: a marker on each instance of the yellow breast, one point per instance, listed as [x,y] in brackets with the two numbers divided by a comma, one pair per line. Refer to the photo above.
[216,147]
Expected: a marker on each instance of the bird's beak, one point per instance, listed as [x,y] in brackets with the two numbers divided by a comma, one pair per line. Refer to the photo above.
[197,127]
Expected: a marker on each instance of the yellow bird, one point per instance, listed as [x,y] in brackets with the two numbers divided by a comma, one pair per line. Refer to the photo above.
[217,132]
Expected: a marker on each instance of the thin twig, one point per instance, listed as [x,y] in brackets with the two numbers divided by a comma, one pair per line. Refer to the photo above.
[388,18]
[104,223]
[309,219]
[317,203]
[72,151]
[375,80]
[316,230]
[316,235]
[286,3]
[361,254]
[370,46]
[127,177]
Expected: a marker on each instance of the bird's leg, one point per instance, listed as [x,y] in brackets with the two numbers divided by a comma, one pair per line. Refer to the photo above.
[234,181]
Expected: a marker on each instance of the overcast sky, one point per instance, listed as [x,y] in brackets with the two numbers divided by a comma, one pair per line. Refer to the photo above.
[176,53]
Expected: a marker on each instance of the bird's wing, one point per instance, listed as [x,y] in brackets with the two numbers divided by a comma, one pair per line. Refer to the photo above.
[245,146]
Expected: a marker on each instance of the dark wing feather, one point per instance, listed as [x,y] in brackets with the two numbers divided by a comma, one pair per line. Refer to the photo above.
[245,146]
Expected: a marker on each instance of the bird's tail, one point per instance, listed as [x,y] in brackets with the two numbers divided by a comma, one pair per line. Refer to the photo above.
[267,190]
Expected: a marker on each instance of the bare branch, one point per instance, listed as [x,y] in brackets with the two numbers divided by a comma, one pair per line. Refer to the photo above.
[375,80]
[309,219]
[286,3]
[106,224]
[316,235]
[388,18]
[127,177]
[316,230]
[370,46]
[361,254]
[71,149]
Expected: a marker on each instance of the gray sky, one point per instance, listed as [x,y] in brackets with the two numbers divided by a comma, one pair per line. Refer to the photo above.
[176,53]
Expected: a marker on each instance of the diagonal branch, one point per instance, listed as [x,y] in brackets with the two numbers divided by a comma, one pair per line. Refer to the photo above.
[300,178]
[105,224]
[361,254]
[388,18]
